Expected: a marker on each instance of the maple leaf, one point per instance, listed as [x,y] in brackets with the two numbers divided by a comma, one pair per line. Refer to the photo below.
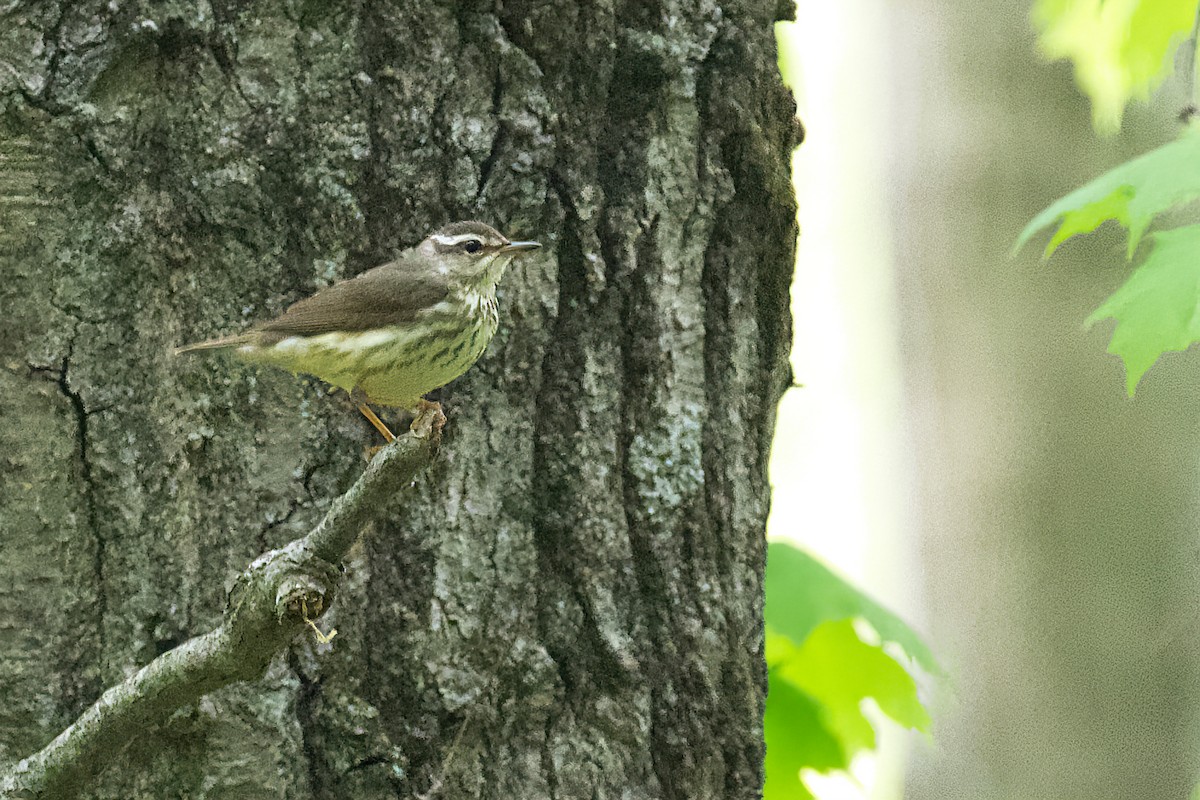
[821,670]
[1133,194]
[1158,309]
[1121,49]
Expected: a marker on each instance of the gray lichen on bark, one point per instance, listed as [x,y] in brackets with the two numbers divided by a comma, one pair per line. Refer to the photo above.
[587,619]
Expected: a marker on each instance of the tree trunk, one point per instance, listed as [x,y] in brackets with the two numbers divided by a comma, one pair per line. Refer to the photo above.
[588,623]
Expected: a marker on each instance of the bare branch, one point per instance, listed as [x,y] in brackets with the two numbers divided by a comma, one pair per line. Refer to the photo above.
[267,607]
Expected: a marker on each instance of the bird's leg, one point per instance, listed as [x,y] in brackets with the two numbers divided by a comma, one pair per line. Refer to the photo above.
[377,422]
[359,398]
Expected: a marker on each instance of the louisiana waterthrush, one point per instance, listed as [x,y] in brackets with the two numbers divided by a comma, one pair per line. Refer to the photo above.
[396,332]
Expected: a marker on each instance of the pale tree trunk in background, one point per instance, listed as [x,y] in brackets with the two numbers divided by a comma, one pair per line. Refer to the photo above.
[589,623]
[1058,519]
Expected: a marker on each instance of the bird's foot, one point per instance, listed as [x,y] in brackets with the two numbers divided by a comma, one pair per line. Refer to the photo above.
[429,420]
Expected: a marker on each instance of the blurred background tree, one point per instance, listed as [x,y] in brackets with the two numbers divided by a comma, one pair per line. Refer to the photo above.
[1056,518]
[1038,524]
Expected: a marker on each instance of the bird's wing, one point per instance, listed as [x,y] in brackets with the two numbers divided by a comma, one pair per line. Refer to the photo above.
[393,294]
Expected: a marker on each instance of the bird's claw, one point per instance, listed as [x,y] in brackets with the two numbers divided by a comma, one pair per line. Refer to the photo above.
[429,421]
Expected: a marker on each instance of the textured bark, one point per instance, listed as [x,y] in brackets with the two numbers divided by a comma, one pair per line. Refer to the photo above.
[569,605]
[272,600]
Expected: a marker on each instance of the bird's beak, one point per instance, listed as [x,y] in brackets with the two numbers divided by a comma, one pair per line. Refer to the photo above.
[520,247]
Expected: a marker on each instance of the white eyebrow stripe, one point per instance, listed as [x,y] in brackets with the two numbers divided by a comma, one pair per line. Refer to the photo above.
[450,241]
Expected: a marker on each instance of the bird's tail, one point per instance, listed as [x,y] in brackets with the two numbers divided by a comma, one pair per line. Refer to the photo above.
[214,344]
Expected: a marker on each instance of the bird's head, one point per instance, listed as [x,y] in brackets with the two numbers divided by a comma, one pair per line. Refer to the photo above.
[472,253]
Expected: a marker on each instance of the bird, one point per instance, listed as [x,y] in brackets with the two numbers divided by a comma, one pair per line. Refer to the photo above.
[396,332]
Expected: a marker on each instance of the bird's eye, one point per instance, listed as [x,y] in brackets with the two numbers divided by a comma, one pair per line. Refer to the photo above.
[472,245]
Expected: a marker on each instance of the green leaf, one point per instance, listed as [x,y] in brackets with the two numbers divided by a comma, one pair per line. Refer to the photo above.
[796,739]
[815,709]
[1086,219]
[1132,194]
[839,670]
[1158,308]
[821,671]
[1121,49]
[802,593]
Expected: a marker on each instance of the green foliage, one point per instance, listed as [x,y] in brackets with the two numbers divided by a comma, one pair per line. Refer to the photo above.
[1156,308]
[1133,194]
[821,671]
[1122,49]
